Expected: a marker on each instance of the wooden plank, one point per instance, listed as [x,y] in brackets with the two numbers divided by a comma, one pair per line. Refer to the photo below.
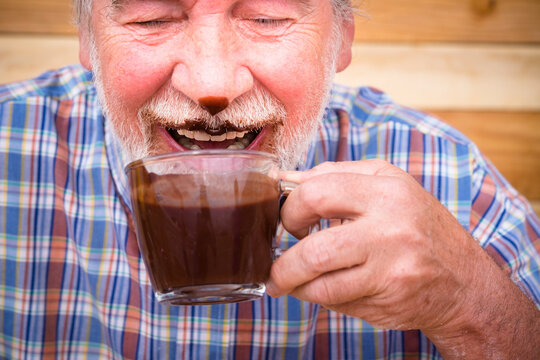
[511,140]
[450,76]
[481,77]
[450,20]
[36,16]
[536,207]
[24,57]
[389,20]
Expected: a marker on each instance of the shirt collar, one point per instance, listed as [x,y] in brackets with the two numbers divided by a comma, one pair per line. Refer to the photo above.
[340,98]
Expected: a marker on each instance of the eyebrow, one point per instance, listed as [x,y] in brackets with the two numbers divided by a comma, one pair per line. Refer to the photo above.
[117,5]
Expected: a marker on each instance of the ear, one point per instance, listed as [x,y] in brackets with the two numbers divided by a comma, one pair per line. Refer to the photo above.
[84,45]
[345,51]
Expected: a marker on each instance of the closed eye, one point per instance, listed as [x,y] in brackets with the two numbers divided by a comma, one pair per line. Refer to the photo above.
[151,23]
[269,22]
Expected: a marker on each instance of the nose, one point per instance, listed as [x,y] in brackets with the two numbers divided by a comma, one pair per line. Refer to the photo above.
[214,104]
[211,71]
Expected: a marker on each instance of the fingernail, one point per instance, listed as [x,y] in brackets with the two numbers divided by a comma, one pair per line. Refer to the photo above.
[292,176]
[271,289]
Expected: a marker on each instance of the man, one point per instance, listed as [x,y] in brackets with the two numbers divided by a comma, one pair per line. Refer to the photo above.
[434,254]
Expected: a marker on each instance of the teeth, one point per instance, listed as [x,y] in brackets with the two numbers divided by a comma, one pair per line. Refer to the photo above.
[221,137]
[242,143]
[245,141]
[243,138]
[236,146]
[201,136]
[185,142]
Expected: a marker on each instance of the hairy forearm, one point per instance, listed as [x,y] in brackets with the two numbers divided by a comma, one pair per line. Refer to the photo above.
[497,321]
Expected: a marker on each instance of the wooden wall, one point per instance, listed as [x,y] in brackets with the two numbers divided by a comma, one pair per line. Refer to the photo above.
[474,63]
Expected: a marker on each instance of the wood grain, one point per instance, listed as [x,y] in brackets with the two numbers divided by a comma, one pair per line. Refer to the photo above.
[450,76]
[513,21]
[26,56]
[511,140]
[441,76]
[36,16]
[536,207]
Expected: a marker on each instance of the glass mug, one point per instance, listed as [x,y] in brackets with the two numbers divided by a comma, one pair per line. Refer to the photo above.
[206,223]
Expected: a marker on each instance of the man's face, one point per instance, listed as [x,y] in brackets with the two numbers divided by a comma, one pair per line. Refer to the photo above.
[186,74]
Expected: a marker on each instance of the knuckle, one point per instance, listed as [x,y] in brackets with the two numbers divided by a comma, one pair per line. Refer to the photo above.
[277,274]
[408,273]
[379,162]
[413,239]
[310,196]
[325,166]
[323,292]
[317,256]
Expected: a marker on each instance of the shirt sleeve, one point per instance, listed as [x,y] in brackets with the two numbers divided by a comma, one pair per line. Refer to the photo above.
[506,226]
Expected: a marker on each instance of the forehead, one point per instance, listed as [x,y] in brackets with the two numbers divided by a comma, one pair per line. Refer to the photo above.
[120,3]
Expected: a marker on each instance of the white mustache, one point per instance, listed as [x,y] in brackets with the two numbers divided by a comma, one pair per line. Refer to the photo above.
[252,110]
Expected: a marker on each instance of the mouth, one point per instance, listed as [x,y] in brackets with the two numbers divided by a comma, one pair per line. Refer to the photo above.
[197,139]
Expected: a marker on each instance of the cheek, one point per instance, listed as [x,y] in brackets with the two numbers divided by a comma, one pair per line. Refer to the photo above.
[132,76]
[295,75]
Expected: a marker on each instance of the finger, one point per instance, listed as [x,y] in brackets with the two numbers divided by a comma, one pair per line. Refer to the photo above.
[329,196]
[334,288]
[363,167]
[352,292]
[373,314]
[324,251]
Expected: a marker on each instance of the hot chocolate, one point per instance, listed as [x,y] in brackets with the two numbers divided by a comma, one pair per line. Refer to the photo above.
[201,229]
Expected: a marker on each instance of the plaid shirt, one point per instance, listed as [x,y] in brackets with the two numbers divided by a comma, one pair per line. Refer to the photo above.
[72,281]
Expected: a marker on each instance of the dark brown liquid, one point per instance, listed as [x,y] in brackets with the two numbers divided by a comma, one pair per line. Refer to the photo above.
[214,236]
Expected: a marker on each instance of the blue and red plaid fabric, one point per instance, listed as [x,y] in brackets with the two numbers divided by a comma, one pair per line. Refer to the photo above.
[73,284]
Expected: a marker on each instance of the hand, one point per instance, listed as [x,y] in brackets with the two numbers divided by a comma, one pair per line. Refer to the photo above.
[399,259]
[392,262]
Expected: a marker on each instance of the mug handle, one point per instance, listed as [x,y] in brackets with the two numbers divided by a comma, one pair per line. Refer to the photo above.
[285,188]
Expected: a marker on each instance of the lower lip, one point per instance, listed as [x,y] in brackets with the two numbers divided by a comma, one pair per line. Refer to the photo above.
[177,147]
[170,141]
[255,143]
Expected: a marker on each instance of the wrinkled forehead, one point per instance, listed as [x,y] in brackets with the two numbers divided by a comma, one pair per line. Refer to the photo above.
[116,7]
[84,8]
[120,3]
